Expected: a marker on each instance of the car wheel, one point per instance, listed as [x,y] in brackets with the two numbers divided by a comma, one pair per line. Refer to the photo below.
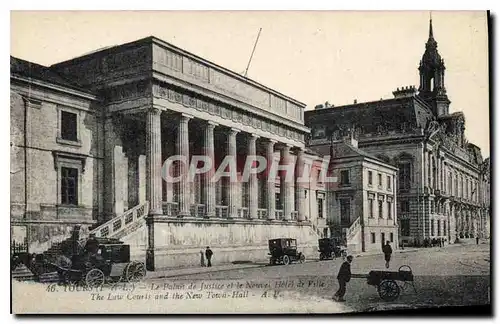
[286,260]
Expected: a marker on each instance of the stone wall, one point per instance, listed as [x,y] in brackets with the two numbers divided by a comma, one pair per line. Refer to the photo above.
[178,242]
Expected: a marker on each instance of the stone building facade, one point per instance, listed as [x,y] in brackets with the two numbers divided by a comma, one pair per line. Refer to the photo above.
[439,173]
[362,201]
[90,136]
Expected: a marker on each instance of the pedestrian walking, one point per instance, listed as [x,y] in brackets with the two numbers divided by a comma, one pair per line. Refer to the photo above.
[477,239]
[208,255]
[343,277]
[202,258]
[387,253]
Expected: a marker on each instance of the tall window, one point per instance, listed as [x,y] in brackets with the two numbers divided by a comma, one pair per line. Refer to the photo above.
[345,212]
[444,227]
[68,126]
[389,209]
[373,237]
[69,186]
[405,206]
[467,188]
[382,238]
[370,178]
[405,227]
[439,227]
[370,208]
[456,185]
[389,181]
[434,173]
[391,235]
[404,176]
[450,183]
[432,227]
[320,208]
[380,209]
[380,180]
[344,177]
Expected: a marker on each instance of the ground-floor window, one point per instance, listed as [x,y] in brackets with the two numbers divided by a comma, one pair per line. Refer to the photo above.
[373,237]
[444,227]
[382,238]
[392,237]
[439,227]
[405,227]
[432,227]
[69,186]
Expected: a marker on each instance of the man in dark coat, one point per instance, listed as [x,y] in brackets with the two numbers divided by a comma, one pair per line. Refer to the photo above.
[92,245]
[387,253]
[343,277]
[208,255]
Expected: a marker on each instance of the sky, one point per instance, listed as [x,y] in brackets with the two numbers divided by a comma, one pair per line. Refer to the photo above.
[312,56]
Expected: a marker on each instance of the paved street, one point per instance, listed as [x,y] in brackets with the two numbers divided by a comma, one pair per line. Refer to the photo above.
[455,275]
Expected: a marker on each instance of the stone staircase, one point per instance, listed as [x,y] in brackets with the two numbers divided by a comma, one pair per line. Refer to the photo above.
[116,227]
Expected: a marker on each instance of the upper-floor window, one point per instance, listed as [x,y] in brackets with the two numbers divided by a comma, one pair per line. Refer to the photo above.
[389,209]
[456,185]
[370,208]
[404,175]
[380,209]
[69,126]
[389,183]
[345,212]
[405,206]
[450,183]
[370,178]
[344,177]
[380,180]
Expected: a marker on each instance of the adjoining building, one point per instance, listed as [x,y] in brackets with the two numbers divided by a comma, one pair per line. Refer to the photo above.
[439,171]
[89,137]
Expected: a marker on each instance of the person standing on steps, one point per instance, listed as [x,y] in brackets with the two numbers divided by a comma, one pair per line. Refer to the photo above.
[477,239]
[208,255]
[343,278]
[202,258]
[387,253]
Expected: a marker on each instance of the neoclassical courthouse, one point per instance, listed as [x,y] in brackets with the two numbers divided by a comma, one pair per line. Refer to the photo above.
[89,137]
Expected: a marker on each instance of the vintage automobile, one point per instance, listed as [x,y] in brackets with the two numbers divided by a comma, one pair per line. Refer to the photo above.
[111,263]
[284,250]
[329,248]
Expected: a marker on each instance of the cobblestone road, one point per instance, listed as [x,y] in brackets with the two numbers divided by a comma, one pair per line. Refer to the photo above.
[455,275]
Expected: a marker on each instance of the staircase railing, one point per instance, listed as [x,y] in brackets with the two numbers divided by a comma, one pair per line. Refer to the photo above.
[352,230]
[121,222]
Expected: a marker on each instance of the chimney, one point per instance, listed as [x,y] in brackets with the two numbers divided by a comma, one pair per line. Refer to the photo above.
[355,101]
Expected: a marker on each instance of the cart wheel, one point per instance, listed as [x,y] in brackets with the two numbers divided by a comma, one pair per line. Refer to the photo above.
[94,278]
[286,260]
[302,258]
[388,290]
[135,271]
[404,268]
[322,256]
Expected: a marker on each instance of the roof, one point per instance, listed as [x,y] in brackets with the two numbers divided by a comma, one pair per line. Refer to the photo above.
[155,40]
[36,71]
[388,113]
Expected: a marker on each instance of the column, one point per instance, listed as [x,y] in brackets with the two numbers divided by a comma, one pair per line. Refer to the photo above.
[153,178]
[300,187]
[253,192]
[287,185]
[183,150]
[208,184]
[270,183]
[153,161]
[231,151]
